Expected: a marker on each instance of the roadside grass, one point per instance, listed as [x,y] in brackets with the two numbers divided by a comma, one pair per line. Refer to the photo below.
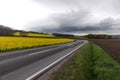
[89,63]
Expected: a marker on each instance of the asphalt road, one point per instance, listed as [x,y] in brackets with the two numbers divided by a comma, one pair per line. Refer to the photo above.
[20,65]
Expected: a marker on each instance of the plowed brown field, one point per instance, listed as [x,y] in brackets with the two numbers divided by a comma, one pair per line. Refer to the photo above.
[112,47]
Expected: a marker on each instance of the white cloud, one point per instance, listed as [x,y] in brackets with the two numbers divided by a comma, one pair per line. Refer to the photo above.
[17,13]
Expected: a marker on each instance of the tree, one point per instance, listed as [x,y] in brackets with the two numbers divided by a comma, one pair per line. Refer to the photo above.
[63,35]
[99,36]
[6,31]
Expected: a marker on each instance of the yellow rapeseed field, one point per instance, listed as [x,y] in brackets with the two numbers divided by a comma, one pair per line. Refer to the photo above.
[34,34]
[40,35]
[14,43]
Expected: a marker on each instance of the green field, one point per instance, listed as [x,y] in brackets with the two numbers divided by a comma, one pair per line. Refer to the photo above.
[89,63]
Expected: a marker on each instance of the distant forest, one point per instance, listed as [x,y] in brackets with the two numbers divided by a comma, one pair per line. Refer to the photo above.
[6,31]
[98,36]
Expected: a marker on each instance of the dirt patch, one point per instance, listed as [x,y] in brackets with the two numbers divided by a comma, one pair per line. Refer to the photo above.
[110,46]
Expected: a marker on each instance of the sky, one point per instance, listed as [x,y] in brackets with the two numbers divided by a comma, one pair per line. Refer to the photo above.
[62,16]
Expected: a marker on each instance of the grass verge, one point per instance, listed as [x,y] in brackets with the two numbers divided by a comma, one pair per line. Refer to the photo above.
[89,63]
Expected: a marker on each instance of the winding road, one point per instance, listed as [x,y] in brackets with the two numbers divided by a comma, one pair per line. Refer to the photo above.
[29,63]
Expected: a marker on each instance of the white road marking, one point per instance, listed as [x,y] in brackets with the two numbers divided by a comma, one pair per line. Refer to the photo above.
[37,52]
[52,64]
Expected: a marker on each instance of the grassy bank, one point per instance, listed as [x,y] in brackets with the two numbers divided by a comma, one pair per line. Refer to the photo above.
[89,63]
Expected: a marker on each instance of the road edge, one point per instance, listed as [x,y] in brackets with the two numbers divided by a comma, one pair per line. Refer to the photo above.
[47,68]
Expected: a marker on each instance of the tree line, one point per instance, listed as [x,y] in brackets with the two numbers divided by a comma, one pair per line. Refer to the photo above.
[63,35]
[98,36]
[6,31]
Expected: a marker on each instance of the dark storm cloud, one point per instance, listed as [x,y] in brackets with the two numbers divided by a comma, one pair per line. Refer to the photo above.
[80,16]
[76,21]
[71,28]
[77,29]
